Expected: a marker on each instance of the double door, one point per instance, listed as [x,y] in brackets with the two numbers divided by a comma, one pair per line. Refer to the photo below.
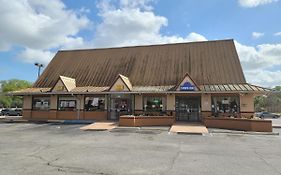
[188,108]
[120,105]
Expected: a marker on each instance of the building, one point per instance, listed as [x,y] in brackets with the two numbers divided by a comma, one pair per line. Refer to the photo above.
[184,80]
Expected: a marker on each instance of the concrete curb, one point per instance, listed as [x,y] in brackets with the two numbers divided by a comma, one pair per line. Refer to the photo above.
[244,132]
[190,133]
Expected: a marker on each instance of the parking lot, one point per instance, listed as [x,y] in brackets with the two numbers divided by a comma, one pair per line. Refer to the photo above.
[28,148]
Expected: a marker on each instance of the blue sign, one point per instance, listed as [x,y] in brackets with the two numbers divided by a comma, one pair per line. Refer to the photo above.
[187,86]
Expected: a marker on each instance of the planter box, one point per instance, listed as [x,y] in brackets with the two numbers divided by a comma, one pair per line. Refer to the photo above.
[146,120]
[238,124]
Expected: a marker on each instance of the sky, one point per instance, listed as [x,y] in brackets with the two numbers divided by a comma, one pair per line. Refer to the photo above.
[34,30]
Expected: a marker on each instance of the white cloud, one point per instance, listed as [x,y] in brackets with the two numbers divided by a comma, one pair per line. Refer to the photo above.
[256,35]
[34,55]
[255,3]
[40,25]
[277,34]
[258,62]
[49,25]
[133,23]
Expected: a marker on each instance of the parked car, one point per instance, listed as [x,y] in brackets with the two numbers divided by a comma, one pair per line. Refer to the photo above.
[1,111]
[267,115]
[12,112]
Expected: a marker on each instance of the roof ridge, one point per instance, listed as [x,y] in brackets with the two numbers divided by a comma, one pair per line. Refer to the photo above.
[147,45]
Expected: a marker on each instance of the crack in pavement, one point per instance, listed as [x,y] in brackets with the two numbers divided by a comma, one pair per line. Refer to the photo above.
[267,163]
[66,168]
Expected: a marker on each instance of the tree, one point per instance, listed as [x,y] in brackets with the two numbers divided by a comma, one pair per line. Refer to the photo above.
[271,102]
[9,86]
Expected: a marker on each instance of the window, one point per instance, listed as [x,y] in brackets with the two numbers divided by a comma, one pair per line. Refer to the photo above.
[225,104]
[154,104]
[41,103]
[67,103]
[94,103]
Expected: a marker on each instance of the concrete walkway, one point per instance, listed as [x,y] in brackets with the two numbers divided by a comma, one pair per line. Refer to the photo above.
[188,128]
[100,126]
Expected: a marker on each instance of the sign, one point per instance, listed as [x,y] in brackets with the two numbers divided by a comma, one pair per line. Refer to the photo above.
[59,88]
[187,86]
[119,87]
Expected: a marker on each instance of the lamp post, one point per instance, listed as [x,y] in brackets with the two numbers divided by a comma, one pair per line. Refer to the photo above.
[39,67]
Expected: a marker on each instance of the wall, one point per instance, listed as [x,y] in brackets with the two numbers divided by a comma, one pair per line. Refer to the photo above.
[146,121]
[27,106]
[119,82]
[206,103]
[247,108]
[59,87]
[27,102]
[138,102]
[238,124]
[171,101]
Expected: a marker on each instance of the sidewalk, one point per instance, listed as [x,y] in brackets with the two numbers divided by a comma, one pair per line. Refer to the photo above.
[100,126]
[188,128]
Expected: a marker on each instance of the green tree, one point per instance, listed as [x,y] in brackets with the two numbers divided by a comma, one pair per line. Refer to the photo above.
[9,86]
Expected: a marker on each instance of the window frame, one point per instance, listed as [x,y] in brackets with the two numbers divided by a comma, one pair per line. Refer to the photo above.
[66,100]
[37,109]
[163,99]
[93,96]
[231,110]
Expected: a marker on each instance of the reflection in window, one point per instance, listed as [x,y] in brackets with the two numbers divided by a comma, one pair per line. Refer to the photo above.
[94,103]
[41,103]
[225,104]
[154,104]
[67,103]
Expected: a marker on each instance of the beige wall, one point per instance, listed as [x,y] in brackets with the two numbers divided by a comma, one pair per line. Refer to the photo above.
[54,102]
[118,83]
[138,102]
[80,101]
[59,87]
[206,102]
[247,103]
[27,102]
[171,101]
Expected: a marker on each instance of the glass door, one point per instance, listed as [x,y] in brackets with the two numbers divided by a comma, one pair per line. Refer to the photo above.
[120,105]
[188,109]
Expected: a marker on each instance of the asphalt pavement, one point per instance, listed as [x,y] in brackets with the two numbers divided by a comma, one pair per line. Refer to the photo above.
[48,149]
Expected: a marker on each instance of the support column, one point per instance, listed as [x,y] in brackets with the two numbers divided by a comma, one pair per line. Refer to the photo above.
[206,105]
[53,107]
[247,108]
[27,107]
[138,104]
[171,103]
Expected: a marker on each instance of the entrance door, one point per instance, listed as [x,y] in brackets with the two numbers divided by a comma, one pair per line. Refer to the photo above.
[188,109]
[120,105]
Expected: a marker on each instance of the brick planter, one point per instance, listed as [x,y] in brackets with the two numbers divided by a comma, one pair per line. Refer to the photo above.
[238,124]
[146,121]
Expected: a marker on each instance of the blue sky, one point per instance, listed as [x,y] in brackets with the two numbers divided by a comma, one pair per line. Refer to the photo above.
[32,31]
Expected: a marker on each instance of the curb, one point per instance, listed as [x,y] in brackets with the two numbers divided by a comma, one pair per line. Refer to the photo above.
[244,132]
[190,133]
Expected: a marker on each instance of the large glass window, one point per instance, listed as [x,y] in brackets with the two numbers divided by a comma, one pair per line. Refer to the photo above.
[225,104]
[67,103]
[41,103]
[94,103]
[155,104]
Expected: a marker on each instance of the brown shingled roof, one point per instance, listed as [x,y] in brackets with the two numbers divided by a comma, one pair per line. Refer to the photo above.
[209,62]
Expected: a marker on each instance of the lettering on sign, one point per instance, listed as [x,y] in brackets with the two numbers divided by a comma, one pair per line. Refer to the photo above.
[59,88]
[119,87]
[187,86]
